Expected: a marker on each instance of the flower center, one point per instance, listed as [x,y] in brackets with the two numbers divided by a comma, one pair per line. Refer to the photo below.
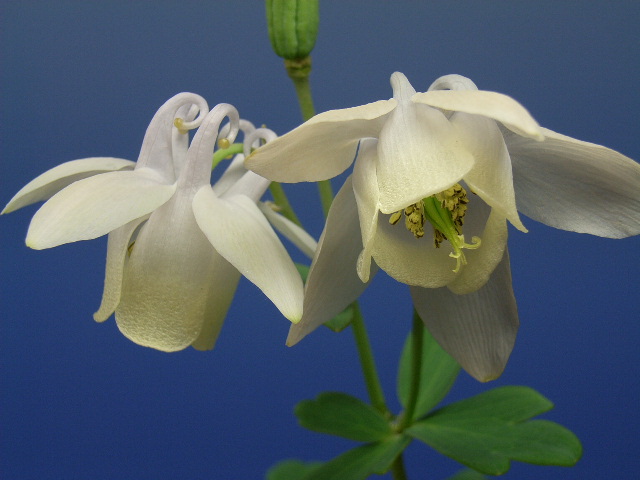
[445,212]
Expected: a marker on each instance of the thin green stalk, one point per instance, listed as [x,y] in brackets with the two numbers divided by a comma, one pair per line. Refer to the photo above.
[299,71]
[397,469]
[281,200]
[228,152]
[374,388]
[417,332]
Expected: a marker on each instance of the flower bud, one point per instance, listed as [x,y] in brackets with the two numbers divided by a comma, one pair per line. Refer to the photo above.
[293,27]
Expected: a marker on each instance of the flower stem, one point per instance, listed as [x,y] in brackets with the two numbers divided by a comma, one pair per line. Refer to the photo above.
[397,469]
[224,153]
[281,200]
[417,332]
[374,388]
[298,71]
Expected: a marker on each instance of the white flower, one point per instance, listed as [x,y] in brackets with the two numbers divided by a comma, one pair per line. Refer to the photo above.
[177,246]
[453,162]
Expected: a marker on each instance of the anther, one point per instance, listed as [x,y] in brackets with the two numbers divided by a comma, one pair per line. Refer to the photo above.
[223,143]
[179,124]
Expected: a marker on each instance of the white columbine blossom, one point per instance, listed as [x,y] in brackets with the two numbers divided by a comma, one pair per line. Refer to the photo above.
[436,177]
[177,246]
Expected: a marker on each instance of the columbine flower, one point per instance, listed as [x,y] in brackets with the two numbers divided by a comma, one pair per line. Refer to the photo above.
[177,246]
[428,200]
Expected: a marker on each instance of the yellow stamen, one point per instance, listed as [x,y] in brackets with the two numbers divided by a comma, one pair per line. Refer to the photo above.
[445,211]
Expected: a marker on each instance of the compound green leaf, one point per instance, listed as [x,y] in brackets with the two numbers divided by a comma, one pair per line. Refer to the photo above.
[359,463]
[291,470]
[343,415]
[489,430]
[467,474]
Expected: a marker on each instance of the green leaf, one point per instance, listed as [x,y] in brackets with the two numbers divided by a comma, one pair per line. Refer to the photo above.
[489,430]
[291,470]
[467,474]
[359,463]
[509,404]
[343,415]
[438,374]
[340,321]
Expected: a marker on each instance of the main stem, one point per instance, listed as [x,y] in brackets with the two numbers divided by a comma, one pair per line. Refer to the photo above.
[299,71]
[374,388]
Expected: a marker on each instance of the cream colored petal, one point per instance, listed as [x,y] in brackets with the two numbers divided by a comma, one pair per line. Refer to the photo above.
[295,234]
[241,234]
[169,280]
[52,181]
[481,262]
[191,116]
[96,206]
[491,176]
[577,186]
[157,151]
[489,104]
[250,185]
[478,329]
[367,195]
[224,288]
[333,283]
[117,249]
[410,260]
[418,155]
[197,170]
[320,148]
[231,175]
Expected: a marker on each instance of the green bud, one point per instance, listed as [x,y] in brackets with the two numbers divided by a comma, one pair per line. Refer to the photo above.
[293,27]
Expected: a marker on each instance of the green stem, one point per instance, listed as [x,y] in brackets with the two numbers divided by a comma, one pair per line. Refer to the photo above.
[417,332]
[374,388]
[223,153]
[299,71]
[397,469]
[281,200]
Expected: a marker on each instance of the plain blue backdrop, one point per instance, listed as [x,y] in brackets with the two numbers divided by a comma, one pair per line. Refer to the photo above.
[80,79]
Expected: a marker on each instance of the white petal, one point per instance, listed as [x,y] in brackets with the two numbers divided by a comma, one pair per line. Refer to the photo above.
[489,104]
[117,249]
[482,261]
[418,155]
[577,186]
[191,116]
[197,170]
[231,175]
[410,260]
[52,181]
[169,280]
[250,185]
[157,151]
[96,206]
[320,148]
[453,82]
[367,195]
[295,234]
[491,177]
[333,283]
[477,329]
[224,288]
[241,234]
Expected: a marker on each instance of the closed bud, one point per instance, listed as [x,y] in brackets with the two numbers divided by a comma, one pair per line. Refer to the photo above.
[293,27]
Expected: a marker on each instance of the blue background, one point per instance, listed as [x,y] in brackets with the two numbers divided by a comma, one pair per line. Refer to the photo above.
[83,79]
